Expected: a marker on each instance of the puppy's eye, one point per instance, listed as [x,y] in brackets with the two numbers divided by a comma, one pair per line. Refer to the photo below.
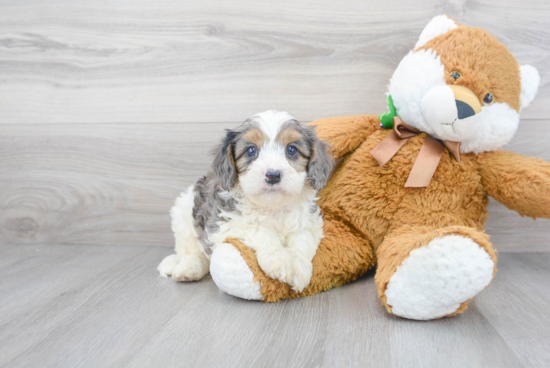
[488,99]
[251,151]
[291,151]
[455,75]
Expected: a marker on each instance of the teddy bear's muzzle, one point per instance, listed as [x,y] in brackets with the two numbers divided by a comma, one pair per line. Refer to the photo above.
[452,112]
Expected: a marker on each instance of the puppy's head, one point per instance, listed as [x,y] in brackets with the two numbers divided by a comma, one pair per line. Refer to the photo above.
[272,157]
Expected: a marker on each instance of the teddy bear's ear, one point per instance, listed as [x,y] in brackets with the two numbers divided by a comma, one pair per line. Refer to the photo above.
[530,80]
[437,26]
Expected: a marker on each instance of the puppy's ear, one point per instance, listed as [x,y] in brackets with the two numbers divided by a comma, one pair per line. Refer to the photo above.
[224,161]
[321,162]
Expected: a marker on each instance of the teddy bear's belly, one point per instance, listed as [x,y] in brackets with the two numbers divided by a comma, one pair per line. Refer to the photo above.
[374,199]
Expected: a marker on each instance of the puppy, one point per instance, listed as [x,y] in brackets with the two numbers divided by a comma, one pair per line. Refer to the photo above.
[262,190]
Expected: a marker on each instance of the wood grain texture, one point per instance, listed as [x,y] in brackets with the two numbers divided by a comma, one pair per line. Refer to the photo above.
[106,306]
[168,61]
[115,183]
[521,318]
[97,184]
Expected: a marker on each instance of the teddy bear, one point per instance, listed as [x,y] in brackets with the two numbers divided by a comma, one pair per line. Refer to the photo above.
[410,192]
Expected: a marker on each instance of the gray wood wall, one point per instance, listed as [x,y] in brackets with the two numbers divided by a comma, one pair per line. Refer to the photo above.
[108,107]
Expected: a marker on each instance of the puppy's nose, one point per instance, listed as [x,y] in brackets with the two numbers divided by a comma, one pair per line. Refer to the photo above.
[273,177]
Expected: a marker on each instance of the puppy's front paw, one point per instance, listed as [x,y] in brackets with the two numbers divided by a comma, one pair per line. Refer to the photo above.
[167,265]
[277,264]
[190,268]
[303,269]
[286,266]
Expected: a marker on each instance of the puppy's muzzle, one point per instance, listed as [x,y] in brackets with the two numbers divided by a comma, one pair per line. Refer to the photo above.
[273,177]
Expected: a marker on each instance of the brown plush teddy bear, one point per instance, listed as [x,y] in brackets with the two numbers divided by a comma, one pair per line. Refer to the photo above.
[412,198]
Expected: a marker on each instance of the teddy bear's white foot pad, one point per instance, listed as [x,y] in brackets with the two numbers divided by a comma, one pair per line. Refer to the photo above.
[231,273]
[436,278]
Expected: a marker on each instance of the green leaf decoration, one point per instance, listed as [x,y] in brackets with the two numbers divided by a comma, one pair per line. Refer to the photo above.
[387,118]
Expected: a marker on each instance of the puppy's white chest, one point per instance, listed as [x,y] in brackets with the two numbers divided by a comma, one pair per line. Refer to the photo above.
[280,225]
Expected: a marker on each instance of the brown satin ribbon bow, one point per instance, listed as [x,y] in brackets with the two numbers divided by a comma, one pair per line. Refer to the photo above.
[427,160]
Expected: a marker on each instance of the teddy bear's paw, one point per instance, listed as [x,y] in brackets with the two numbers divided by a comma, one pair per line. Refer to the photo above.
[190,268]
[286,266]
[231,273]
[437,278]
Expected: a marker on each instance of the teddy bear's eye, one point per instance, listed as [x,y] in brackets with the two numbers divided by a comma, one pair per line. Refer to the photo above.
[455,75]
[488,99]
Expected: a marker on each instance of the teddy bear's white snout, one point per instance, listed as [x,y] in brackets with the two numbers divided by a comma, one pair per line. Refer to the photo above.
[448,115]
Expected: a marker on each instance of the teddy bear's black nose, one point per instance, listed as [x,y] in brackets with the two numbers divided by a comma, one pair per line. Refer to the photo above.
[464,110]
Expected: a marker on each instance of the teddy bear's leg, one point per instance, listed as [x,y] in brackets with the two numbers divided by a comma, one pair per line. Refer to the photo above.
[231,273]
[342,256]
[425,273]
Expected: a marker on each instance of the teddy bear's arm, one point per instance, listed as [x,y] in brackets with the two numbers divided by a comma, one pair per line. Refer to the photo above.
[346,133]
[520,183]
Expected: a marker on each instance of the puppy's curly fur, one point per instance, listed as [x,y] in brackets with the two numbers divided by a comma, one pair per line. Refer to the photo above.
[261,190]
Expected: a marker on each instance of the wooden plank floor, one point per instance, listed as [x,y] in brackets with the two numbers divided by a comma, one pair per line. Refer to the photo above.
[105,306]
[162,61]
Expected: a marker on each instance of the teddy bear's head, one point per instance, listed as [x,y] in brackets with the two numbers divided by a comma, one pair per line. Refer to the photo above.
[460,84]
